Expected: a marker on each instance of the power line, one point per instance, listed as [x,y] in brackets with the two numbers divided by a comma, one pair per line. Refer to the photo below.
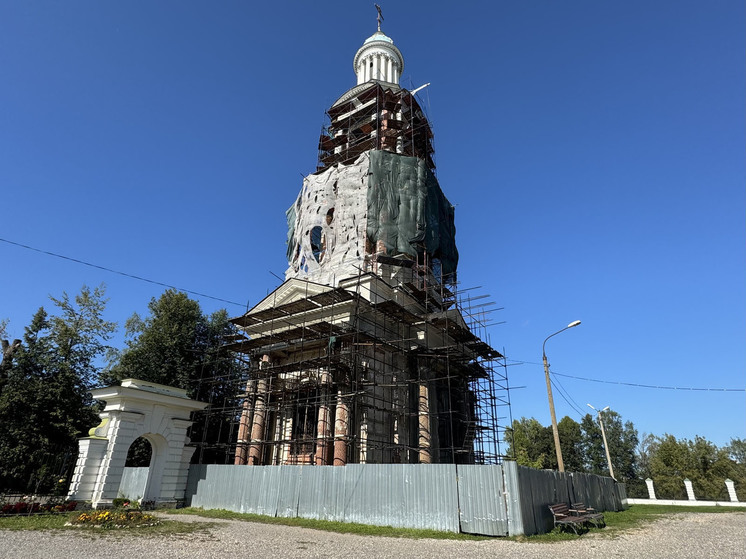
[633,384]
[125,274]
[566,396]
[197,293]
[654,386]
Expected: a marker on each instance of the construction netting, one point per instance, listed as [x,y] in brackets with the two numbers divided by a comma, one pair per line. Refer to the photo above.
[407,210]
[383,203]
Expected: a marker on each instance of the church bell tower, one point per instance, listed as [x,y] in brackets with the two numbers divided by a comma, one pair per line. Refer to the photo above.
[374,196]
[364,354]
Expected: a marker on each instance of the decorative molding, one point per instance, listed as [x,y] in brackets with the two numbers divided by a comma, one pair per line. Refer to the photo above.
[381,46]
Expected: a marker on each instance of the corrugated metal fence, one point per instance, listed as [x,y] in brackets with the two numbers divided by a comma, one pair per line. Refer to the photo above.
[497,500]
[387,495]
[133,483]
[539,488]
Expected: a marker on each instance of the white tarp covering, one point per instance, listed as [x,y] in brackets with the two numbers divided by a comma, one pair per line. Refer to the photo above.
[327,224]
[383,203]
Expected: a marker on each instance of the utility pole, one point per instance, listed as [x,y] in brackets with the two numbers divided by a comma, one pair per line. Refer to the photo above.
[603,435]
[555,431]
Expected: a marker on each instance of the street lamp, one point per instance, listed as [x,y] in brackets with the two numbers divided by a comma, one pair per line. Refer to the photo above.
[560,463]
[603,434]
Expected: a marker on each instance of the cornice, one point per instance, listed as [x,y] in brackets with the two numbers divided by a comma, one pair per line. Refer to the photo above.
[384,46]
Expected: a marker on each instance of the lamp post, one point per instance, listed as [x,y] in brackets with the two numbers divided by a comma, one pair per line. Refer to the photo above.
[557,448]
[603,434]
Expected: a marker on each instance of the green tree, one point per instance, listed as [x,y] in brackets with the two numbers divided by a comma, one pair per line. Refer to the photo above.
[8,351]
[161,347]
[177,345]
[571,443]
[45,405]
[737,450]
[622,440]
[701,461]
[530,443]
[646,447]
[593,446]
[669,466]
[582,445]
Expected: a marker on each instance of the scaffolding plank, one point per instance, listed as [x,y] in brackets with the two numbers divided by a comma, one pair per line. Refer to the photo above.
[416,292]
[337,295]
[244,320]
[455,330]
[247,345]
[394,309]
[483,350]
[301,305]
[269,314]
[393,261]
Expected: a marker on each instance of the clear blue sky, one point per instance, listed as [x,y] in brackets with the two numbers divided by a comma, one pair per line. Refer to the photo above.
[594,152]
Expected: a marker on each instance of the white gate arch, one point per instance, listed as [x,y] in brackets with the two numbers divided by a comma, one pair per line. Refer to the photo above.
[136,409]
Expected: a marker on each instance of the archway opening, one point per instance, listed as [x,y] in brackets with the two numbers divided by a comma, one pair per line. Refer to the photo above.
[139,454]
[136,470]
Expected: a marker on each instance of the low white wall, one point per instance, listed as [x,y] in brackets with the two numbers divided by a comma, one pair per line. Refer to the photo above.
[684,503]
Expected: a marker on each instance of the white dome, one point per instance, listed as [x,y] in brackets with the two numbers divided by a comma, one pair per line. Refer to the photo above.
[379,36]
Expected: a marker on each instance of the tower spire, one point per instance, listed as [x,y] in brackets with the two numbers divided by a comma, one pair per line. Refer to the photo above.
[378,58]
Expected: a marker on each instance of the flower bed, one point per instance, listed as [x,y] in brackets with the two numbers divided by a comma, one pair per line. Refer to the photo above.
[36,505]
[117,518]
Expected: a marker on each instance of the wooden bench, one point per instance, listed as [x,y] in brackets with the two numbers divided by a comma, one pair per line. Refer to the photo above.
[589,512]
[564,517]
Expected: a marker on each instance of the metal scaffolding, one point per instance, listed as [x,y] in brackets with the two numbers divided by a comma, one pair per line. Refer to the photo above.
[391,366]
[375,115]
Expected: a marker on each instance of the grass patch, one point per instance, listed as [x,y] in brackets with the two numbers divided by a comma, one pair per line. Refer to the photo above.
[34,522]
[635,516]
[329,526]
[58,521]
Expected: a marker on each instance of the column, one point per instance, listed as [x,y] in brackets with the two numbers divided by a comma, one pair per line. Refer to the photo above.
[124,428]
[341,428]
[689,489]
[91,453]
[389,73]
[244,426]
[258,423]
[376,66]
[364,438]
[731,490]
[287,434]
[424,425]
[323,427]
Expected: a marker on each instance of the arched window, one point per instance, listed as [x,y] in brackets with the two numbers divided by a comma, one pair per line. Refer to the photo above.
[316,247]
[139,454]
